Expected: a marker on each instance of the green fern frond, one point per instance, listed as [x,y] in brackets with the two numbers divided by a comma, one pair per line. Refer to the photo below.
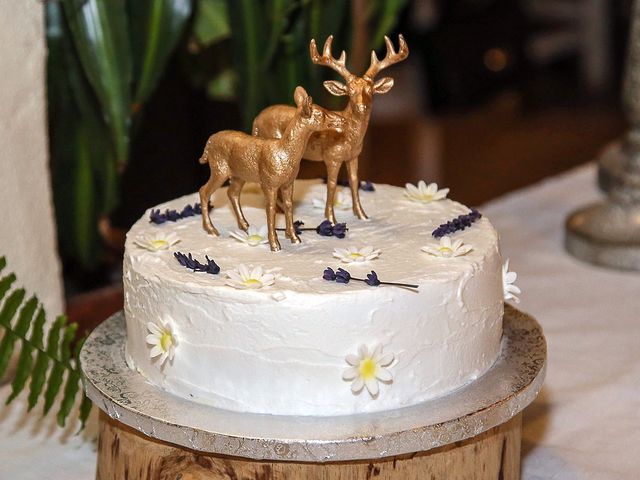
[55,360]
[5,284]
[9,309]
[25,362]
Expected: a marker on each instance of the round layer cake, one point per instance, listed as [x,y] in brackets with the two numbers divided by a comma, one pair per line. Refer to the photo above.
[301,344]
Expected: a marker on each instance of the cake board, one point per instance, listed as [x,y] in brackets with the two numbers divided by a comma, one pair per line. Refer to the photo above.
[473,432]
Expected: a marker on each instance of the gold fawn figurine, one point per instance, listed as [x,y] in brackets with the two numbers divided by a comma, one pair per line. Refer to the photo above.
[336,148]
[274,163]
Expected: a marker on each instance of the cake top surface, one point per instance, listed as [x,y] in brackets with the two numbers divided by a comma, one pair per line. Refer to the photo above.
[398,229]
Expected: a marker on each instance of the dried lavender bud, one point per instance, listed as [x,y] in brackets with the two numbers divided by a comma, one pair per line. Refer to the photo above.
[340,230]
[367,186]
[342,276]
[329,274]
[325,229]
[372,279]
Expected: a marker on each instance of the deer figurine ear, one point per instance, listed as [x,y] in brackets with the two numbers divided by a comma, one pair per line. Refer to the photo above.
[300,96]
[336,88]
[306,107]
[383,85]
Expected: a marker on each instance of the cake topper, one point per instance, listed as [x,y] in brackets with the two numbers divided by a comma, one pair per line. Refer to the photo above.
[274,163]
[331,147]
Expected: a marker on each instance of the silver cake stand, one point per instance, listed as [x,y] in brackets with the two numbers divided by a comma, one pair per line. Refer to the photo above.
[608,233]
[155,416]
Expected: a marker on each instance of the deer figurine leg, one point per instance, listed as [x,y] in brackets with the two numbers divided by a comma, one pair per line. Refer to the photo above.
[287,196]
[354,185]
[233,192]
[206,191]
[271,195]
[333,168]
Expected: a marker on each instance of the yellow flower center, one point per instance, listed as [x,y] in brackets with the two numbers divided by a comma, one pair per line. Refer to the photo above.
[355,255]
[251,281]
[166,340]
[445,250]
[367,368]
[426,197]
[255,238]
[159,244]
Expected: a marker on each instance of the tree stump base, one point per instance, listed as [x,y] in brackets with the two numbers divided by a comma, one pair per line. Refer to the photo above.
[123,452]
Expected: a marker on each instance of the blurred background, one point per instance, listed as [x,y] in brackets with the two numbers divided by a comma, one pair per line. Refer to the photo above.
[495,95]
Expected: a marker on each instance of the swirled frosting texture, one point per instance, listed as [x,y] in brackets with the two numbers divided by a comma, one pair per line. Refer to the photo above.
[281,349]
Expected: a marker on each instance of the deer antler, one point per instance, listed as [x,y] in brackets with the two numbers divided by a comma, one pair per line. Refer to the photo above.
[390,58]
[327,59]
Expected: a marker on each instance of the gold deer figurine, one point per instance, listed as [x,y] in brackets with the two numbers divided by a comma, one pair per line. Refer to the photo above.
[336,148]
[274,163]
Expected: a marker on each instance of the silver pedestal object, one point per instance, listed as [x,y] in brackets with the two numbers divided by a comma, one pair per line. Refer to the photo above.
[608,233]
[511,384]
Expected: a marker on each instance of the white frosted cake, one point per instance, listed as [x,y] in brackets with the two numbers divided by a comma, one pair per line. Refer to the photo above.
[286,340]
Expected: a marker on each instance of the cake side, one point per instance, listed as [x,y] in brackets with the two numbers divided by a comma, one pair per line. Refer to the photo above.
[282,349]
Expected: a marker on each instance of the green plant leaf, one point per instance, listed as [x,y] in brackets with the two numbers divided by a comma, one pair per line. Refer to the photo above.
[69,396]
[84,208]
[8,340]
[76,129]
[85,410]
[57,351]
[38,378]
[211,22]
[249,38]
[26,314]
[25,360]
[101,38]
[39,372]
[277,13]
[3,263]
[157,25]
[53,386]
[5,284]
[387,18]
[68,337]
[222,86]
[57,371]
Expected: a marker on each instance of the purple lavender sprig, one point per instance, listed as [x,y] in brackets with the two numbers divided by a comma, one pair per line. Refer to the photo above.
[342,276]
[365,185]
[191,263]
[459,223]
[170,215]
[325,229]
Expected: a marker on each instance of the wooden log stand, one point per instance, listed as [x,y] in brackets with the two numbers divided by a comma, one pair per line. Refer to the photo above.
[473,433]
[123,452]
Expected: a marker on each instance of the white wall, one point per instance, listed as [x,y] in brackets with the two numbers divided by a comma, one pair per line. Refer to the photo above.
[27,236]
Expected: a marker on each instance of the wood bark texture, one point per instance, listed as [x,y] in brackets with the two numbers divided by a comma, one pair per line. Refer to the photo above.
[124,453]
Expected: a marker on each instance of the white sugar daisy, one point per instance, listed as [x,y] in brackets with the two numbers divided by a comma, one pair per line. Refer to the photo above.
[355,254]
[157,240]
[511,291]
[162,340]
[253,236]
[341,201]
[367,369]
[446,248]
[425,193]
[249,277]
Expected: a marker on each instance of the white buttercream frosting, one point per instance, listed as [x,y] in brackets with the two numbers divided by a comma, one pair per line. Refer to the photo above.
[281,348]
